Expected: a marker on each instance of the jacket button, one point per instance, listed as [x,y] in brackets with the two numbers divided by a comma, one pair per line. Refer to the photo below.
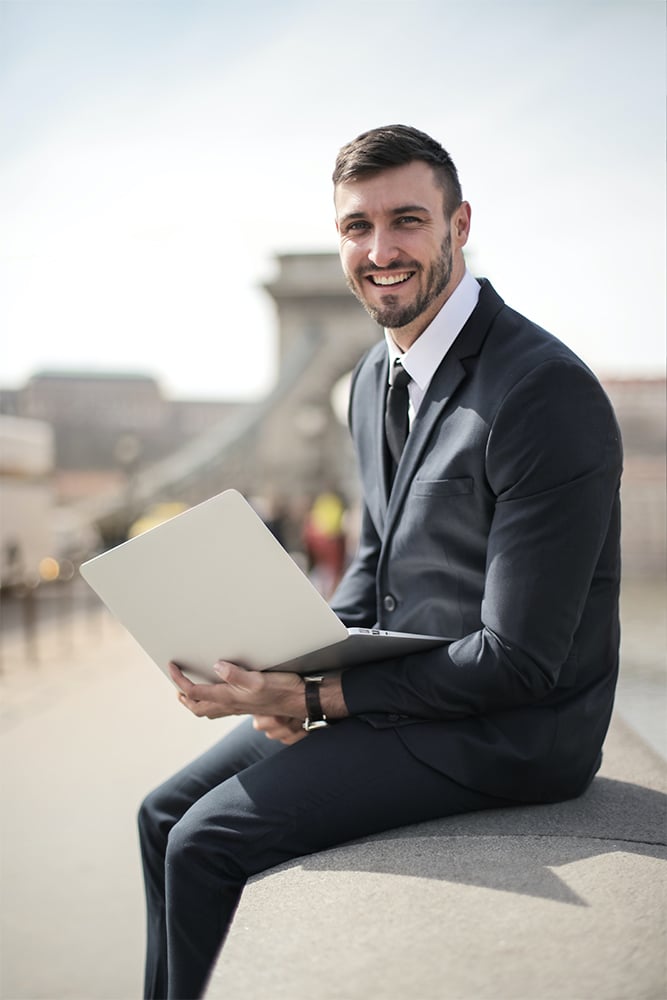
[389,603]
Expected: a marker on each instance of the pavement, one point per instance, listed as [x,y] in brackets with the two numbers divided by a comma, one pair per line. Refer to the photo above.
[562,901]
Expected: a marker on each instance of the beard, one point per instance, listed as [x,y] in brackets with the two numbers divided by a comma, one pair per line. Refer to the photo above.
[392,314]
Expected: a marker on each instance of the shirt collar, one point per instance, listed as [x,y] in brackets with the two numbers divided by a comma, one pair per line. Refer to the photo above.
[423,359]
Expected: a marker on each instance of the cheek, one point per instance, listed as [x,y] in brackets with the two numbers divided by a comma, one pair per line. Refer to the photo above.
[350,258]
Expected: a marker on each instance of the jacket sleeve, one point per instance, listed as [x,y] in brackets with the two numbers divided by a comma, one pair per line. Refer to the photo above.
[553,462]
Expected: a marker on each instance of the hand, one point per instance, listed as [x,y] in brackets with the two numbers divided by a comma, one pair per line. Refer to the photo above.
[280,727]
[242,692]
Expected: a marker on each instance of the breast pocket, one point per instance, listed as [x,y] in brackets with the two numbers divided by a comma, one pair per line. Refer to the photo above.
[443,487]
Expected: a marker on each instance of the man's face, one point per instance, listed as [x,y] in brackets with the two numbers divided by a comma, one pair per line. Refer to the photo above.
[396,246]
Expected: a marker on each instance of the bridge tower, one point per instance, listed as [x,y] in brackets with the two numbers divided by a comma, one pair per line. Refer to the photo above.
[323,332]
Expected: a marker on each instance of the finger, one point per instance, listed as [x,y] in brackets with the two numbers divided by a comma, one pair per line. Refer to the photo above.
[274,727]
[294,737]
[239,677]
[269,723]
[285,734]
[261,722]
[296,725]
[179,678]
[202,709]
[197,692]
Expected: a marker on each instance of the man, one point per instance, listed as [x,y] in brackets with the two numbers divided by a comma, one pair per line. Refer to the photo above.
[497,525]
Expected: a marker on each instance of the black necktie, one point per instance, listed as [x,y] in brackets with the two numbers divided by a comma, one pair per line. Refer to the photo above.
[396,412]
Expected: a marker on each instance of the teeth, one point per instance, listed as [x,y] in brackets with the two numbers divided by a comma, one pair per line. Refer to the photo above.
[390,279]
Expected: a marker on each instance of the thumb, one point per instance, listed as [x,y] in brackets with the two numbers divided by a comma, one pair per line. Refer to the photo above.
[236,676]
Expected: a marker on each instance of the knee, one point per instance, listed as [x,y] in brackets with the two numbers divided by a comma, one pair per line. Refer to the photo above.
[185,846]
[153,819]
[193,848]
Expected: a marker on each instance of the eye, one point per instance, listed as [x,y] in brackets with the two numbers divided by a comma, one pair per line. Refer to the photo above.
[407,220]
[357,226]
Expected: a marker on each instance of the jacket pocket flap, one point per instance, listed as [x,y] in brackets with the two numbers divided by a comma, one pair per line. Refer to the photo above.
[443,487]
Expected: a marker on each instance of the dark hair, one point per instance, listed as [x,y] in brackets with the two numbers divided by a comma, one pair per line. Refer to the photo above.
[394,146]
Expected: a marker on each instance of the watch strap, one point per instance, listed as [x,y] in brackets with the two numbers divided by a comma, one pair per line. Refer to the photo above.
[315,717]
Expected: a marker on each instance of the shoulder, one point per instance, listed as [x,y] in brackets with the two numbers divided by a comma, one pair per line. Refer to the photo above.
[366,382]
[373,356]
[369,365]
[515,348]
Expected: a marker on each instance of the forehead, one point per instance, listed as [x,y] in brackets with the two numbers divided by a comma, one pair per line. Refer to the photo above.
[388,190]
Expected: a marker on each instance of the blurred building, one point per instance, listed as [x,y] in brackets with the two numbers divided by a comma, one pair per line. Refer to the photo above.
[27,533]
[107,425]
[641,408]
[118,439]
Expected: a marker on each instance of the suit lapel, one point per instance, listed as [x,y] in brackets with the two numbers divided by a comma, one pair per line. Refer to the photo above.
[375,456]
[443,385]
[382,457]
[451,372]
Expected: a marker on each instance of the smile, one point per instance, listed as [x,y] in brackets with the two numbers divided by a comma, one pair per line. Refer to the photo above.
[390,279]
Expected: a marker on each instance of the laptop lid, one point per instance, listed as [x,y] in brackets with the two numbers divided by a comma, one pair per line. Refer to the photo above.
[213,583]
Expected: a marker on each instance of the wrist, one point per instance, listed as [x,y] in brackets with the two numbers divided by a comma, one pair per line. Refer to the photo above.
[331,697]
[315,714]
[289,696]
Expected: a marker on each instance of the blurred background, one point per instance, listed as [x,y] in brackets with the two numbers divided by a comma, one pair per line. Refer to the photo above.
[175,323]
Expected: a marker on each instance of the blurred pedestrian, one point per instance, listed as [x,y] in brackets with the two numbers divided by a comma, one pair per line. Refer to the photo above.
[325,542]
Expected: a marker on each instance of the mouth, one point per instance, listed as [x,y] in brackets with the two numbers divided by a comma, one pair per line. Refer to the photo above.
[389,280]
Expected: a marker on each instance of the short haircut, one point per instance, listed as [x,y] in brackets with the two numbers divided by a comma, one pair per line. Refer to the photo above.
[394,146]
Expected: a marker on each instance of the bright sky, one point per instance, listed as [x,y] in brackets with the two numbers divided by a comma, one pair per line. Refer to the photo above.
[156,154]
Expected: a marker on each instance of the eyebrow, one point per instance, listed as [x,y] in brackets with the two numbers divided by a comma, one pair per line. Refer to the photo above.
[400,210]
[403,209]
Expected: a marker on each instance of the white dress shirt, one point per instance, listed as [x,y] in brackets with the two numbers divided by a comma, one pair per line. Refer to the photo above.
[424,357]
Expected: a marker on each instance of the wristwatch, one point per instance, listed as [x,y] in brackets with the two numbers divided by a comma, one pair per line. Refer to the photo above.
[315,717]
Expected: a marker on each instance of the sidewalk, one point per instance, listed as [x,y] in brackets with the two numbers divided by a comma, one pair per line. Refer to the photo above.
[86,732]
[92,726]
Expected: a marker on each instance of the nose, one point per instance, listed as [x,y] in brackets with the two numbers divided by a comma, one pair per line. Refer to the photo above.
[383,249]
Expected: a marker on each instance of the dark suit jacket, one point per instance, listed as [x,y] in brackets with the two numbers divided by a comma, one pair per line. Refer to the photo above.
[502,533]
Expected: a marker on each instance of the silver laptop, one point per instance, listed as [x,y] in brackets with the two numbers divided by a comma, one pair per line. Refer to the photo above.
[213,584]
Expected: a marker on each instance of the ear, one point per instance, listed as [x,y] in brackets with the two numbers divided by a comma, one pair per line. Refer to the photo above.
[460,225]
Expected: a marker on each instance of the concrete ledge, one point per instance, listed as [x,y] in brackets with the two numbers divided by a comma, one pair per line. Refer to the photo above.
[564,901]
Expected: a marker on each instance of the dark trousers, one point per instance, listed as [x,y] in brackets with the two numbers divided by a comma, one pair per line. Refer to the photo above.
[250,803]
